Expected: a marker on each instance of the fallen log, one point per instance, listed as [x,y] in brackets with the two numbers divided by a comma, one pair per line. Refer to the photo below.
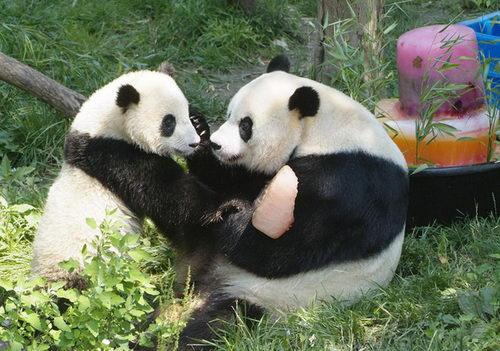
[46,89]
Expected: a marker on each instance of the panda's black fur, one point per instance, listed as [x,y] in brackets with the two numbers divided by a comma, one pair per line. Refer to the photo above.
[350,206]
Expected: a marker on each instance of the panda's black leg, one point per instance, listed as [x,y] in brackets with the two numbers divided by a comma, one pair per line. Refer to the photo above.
[211,316]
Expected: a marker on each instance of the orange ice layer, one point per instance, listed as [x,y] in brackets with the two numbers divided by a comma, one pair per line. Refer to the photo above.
[467,145]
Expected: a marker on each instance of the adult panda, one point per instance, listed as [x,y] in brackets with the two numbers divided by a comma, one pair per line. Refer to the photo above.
[341,197]
[147,111]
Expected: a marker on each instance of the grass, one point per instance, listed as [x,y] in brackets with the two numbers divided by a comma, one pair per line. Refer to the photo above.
[446,294]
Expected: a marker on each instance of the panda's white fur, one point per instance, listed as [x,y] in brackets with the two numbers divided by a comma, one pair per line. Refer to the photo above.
[75,196]
[340,125]
[346,282]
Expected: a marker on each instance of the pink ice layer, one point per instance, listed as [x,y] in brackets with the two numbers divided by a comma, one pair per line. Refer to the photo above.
[468,144]
[421,54]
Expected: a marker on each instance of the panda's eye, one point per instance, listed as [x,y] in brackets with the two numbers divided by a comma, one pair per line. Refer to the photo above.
[246,129]
[167,125]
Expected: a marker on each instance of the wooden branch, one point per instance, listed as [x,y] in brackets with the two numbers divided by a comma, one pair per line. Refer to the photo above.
[30,80]
[48,90]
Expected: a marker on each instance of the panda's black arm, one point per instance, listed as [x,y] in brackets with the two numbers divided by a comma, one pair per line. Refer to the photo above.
[229,181]
[150,185]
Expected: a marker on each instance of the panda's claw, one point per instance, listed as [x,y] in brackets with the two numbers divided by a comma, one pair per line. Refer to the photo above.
[200,125]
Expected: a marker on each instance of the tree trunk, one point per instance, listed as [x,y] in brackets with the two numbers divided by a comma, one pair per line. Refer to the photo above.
[24,77]
[366,14]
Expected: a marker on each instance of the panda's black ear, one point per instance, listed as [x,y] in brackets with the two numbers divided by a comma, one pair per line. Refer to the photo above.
[279,63]
[127,95]
[305,100]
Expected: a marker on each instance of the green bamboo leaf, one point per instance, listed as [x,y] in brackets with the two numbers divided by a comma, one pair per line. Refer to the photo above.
[390,28]
[69,265]
[34,298]
[93,327]
[420,168]
[83,303]
[139,255]
[447,66]
[7,285]
[466,58]
[33,320]
[61,324]
[465,139]
[445,128]
[91,223]
[109,298]
[15,346]
[137,275]
[22,208]
[136,313]
[69,294]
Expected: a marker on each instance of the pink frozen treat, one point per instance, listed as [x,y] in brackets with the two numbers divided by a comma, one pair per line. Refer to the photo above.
[421,54]
[273,215]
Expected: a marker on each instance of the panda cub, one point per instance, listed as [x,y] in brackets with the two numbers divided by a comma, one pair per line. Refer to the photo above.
[147,111]
[338,183]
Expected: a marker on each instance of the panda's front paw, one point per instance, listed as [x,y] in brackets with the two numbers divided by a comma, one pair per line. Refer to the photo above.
[227,208]
[201,125]
[75,148]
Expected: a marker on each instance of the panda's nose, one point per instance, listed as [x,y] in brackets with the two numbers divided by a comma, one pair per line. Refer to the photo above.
[193,145]
[215,146]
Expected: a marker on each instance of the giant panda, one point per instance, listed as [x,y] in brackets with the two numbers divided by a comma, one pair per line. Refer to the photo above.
[144,109]
[341,229]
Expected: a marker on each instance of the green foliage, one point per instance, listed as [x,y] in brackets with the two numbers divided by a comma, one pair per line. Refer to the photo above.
[17,226]
[12,178]
[104,316]
[18,217]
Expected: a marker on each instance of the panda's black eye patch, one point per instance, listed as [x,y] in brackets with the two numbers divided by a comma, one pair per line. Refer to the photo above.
[168,125]
[246,129]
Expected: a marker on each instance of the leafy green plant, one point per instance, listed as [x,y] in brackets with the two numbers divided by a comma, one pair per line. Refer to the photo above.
[17,226]
[11,177]
[106,315]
